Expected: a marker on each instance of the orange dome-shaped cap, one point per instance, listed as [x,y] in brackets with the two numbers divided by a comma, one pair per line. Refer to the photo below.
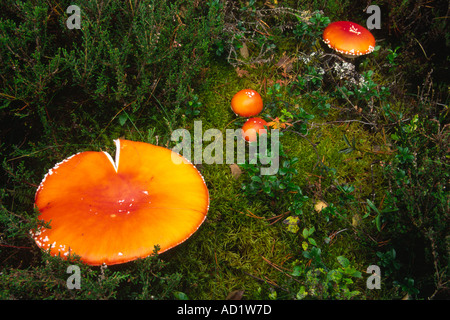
[349,38]
[253,126]
[247,103]
[111,212]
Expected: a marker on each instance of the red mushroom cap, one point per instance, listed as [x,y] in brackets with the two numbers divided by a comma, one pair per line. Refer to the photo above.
[253,126]
[247,103]
[349,38]
[111,212]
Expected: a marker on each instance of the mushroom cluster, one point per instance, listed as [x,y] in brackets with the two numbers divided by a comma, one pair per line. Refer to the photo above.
[114,211]
[248,103]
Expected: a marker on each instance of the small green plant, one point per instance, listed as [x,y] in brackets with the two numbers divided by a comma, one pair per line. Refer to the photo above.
[388,262]
[193,107]
[407,286]
[271,185]
[379,213]
[351,146]
[280,186]
[362,93]
[308,240]
[274,92]
[311,79]
[320,280]
[150,281]
[392,56]
[48,280]
[308,31]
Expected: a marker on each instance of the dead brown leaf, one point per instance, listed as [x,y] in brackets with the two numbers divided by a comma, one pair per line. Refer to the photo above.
[235,170]
[244,50]
[235,295]
[241,73]
[285,63]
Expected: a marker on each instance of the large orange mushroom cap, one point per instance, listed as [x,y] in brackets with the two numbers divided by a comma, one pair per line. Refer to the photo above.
[111,212]
[349,38]
[247,103]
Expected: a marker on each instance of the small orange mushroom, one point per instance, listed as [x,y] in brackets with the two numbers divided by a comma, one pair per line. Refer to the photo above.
[247,103]
[349,38]
[112,212]
[253,126]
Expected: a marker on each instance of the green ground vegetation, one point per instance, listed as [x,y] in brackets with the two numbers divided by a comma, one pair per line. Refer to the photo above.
[364,164]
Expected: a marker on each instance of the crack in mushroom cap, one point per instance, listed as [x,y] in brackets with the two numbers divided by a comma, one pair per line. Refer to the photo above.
[112,212]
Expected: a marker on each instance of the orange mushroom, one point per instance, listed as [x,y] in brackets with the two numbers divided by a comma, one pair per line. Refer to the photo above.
[253,126]
[112,212]
[349,38]
[247,103]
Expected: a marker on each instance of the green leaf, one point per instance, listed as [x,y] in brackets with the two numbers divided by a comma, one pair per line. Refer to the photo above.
[273,295]
[312,241]
[301,293]
[291,220]
[357,274]
[307,254]
[292,223]
[305,233]
[180,295]
[123,118]
[297,271]
[346,150]
[256,179]
[315,252]
[305,245]
[371,205]
[293,228]
[378,222]
[343,261]
[346,141]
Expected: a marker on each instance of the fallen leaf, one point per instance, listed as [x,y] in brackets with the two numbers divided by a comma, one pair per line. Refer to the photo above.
[241,73]
[285,63]
[320,205]
[356,220]
[305,245]
[292,223]
[235,170]
[244,50]
[235,295]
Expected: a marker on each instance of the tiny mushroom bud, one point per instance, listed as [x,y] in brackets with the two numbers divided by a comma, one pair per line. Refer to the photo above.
[113,211]
[253,126]
[349,39]
[247,103]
